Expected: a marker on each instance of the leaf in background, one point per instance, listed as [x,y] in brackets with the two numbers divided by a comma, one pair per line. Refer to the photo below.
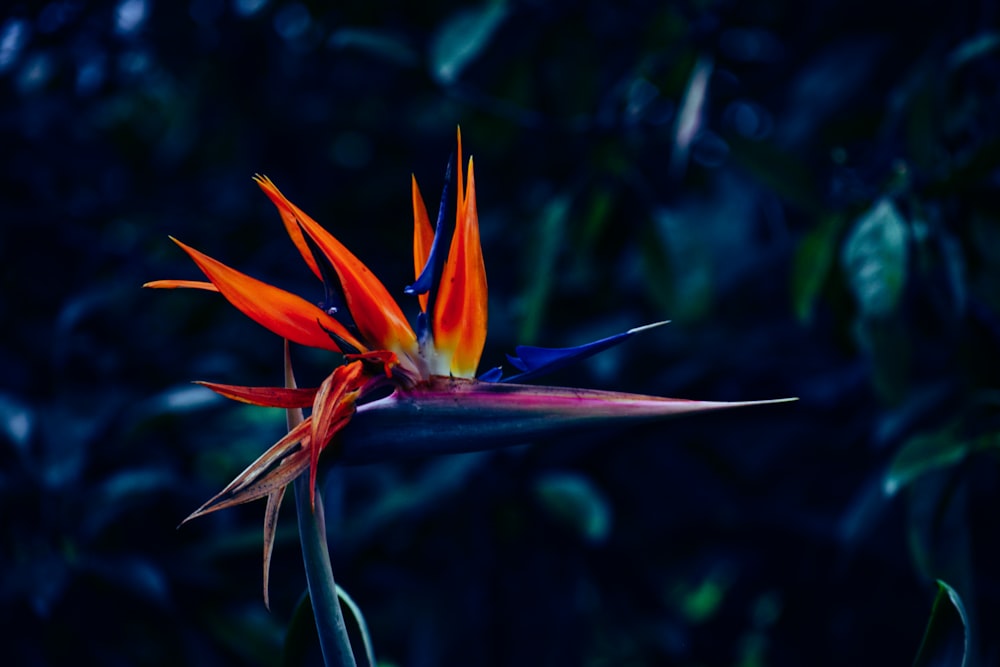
[974,48]
[946,639]
[572,499]
[462,37]
[17,422]
[380,43]
[690,117]
[813,261]
[250,633]
[874,259]
[692,265]
[777,170]
[699,601]
[922,454]
[548,240]
[301,642]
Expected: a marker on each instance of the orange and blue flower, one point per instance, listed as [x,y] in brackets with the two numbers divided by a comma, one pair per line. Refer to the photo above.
[435,402]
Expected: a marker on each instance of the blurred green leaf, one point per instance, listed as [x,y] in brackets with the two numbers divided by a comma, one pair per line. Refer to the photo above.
[874,259]
[250,633]
[691,288]
[924,453]
[17,422]
[700,602]
[379,43]
[548,240]
[813,261]
[357,630]
[946,639]
[462,37]
[777,170]
[302,643]
[973,48]
[572,499]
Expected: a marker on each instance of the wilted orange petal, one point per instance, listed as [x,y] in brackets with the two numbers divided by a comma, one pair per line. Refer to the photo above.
[270,526]
[460,311]
[375,312]
[332,409]
[285,314]
[423,237]
[276,468]
[269,397]
[189,284]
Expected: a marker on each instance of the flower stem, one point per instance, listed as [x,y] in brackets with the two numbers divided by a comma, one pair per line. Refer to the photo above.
[330,626]
[333,640]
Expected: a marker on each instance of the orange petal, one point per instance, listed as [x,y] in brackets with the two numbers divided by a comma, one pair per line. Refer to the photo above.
[375,312]
[423,237]
[332,409]
[288,219]
[190,284]
[460,311]
[276,468]
[269,397]
[285,314]
[270,526]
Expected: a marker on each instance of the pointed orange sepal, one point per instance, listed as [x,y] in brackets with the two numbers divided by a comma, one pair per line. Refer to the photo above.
[333,407]
[285,314]
[384,358]
[375,312]
[423,237]
[285,209]
[186,284]
[269,397]
[460,312]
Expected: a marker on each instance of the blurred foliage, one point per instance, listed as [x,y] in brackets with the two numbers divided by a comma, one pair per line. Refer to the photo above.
[809,191]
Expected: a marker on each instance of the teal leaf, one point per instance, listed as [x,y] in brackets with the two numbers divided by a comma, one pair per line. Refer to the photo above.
[922,454]
[874,259]
[814,259]
[973,49]
[379,43]
[461,39]
[572,499]
[545,247]
[451,415]
[946,639]
[302,642]
[357,629]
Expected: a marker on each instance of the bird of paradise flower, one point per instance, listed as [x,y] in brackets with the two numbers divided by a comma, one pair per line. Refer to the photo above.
[435,403]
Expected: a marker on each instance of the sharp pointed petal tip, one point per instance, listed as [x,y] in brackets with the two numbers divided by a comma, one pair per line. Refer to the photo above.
[647,327]
[770,401]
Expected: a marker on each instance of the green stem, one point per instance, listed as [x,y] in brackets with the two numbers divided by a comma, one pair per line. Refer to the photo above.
[330,626]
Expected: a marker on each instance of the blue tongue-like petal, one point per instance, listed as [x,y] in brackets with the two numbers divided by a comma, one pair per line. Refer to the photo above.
[431,273]
[495,374]
[534,361]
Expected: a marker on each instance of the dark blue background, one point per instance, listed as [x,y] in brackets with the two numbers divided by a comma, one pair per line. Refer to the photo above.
[759,537]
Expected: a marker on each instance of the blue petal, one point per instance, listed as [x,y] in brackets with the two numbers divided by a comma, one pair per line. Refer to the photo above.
[535,361]
[492,375]
[431,273]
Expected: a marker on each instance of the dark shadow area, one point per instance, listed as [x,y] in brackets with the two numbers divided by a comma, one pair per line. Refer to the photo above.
[808,191]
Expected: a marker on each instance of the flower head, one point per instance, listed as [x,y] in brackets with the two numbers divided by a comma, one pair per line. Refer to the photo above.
[436,403]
